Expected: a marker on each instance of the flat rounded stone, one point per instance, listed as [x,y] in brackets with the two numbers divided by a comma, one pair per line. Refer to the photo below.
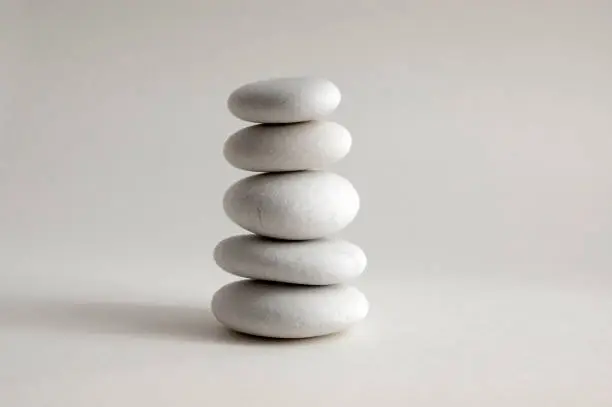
[311,262]
[292,205]
[284,100]
[287,147]
[280,310]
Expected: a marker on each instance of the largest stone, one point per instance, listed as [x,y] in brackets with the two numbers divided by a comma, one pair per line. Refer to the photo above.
[288,311]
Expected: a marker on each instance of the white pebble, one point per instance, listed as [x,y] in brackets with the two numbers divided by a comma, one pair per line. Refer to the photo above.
[284,100]
[288,311]
[287,147]
[311,262]
[293,205]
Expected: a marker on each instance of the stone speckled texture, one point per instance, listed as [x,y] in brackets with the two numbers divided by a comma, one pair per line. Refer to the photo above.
[294,205]
[287,147]
[280,310]
[284,100]
[311,262]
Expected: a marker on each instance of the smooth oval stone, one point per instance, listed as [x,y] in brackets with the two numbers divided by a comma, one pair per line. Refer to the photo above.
[280,310]
[287,147]
[292,205]
[311,262]
[284,100]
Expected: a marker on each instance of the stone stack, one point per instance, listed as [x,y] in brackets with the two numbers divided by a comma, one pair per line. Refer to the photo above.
[295,271]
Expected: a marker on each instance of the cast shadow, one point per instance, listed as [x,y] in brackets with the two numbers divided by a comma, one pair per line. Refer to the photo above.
[130,319]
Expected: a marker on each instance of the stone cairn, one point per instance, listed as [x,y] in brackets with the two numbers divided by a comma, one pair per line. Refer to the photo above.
[295,270]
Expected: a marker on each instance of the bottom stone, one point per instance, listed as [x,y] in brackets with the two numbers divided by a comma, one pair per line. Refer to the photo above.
[280,310]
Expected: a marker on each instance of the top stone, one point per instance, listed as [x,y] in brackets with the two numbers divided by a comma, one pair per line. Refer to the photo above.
[284,100]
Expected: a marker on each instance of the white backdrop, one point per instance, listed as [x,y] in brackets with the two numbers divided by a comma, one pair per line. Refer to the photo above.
[482,153]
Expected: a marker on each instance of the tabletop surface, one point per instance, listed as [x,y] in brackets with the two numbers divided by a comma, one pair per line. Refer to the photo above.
[433,337]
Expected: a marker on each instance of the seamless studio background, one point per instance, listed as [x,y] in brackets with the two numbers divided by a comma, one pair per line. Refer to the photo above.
[482,152]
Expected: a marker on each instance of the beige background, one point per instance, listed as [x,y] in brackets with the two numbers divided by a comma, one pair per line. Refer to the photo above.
[482,153]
